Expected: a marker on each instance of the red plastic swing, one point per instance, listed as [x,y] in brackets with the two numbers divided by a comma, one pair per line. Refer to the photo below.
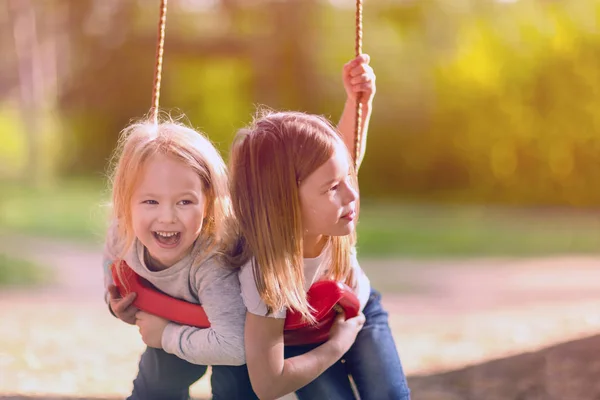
[324,296]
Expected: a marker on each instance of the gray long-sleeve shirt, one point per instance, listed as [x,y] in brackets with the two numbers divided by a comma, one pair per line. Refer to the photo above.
[209,283]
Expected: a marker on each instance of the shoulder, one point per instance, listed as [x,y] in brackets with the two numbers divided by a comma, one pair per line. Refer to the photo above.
[354,258]
[250,294]
[247,275]
[211,269]
[112,245]
[354,254]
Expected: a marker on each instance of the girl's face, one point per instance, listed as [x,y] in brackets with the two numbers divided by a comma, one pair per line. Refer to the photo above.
[328,200]
[168,207]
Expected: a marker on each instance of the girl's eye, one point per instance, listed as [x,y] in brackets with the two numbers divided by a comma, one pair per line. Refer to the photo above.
[150,202]
[185,202]
[334,188]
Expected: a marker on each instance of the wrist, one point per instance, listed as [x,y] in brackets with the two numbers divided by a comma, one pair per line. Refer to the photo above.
[169,337]
[335,348]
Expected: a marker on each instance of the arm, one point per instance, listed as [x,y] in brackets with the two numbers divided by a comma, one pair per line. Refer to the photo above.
[108,279]
[109,255]
[120,307]
[271,375]
[358,77]
[223,342]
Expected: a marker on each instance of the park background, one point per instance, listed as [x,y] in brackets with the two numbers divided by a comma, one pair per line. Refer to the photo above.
[479,220]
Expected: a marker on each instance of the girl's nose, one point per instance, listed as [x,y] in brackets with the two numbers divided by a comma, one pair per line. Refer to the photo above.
[167,215]
[351,194]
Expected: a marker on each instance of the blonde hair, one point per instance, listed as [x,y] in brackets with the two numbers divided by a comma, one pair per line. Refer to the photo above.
[267,162]
[137,144]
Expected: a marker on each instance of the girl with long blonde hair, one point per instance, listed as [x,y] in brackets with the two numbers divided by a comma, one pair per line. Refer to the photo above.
[295,195]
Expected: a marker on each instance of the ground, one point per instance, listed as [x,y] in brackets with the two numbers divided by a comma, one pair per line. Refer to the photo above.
[466,329]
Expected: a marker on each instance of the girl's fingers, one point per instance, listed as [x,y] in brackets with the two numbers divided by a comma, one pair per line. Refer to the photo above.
[364,78]
[364,87]
[358,65]
[113,292]
[362,59]
[360,69]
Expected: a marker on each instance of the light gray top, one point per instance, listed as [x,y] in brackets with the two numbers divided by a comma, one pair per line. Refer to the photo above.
[209,283]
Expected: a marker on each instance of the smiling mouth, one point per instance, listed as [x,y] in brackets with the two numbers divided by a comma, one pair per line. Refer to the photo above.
[167,239]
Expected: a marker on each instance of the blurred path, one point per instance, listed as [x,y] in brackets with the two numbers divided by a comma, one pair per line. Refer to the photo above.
[61,340]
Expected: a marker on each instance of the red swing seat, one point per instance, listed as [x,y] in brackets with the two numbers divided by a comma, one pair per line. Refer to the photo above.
[323,296]
[152,301]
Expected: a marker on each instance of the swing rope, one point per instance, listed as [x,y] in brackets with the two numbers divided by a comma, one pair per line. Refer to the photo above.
[358,51]
[160,47]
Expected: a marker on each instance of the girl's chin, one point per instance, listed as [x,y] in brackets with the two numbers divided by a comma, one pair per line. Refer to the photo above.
[345,230]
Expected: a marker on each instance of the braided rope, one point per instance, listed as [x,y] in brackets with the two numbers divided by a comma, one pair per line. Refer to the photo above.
[358,51]
[160,47]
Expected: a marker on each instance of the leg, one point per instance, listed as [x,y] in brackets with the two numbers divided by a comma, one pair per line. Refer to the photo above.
[333,384]
[231,383]
[164,376]
[373,360]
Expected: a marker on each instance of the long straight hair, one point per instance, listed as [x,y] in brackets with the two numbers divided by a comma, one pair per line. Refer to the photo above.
[268,161]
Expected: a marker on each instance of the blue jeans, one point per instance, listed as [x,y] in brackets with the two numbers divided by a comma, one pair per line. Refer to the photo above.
[231,383]
[164,376]
[372,361]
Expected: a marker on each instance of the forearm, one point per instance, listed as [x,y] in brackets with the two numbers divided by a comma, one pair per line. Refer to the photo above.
[347,124]
[108,280]
[223,342]
[204,346]
[299,371]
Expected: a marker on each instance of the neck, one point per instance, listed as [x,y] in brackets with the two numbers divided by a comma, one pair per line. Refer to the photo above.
[313,245]
[152,263]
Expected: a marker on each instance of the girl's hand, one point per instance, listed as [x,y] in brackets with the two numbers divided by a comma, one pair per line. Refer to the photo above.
[122,307]
[344,331]
[359,77]
[151,328]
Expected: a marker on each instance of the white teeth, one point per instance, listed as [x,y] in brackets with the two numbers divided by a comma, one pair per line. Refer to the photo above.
[166,234]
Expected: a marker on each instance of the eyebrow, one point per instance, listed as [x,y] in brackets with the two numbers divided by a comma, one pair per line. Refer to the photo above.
[182,194]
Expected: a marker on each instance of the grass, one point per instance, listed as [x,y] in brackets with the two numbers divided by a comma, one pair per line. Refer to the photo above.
[74,210]
[17,272]
[447,231]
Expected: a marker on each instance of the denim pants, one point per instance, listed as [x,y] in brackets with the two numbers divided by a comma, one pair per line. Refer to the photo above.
[372,361]
[164,376]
